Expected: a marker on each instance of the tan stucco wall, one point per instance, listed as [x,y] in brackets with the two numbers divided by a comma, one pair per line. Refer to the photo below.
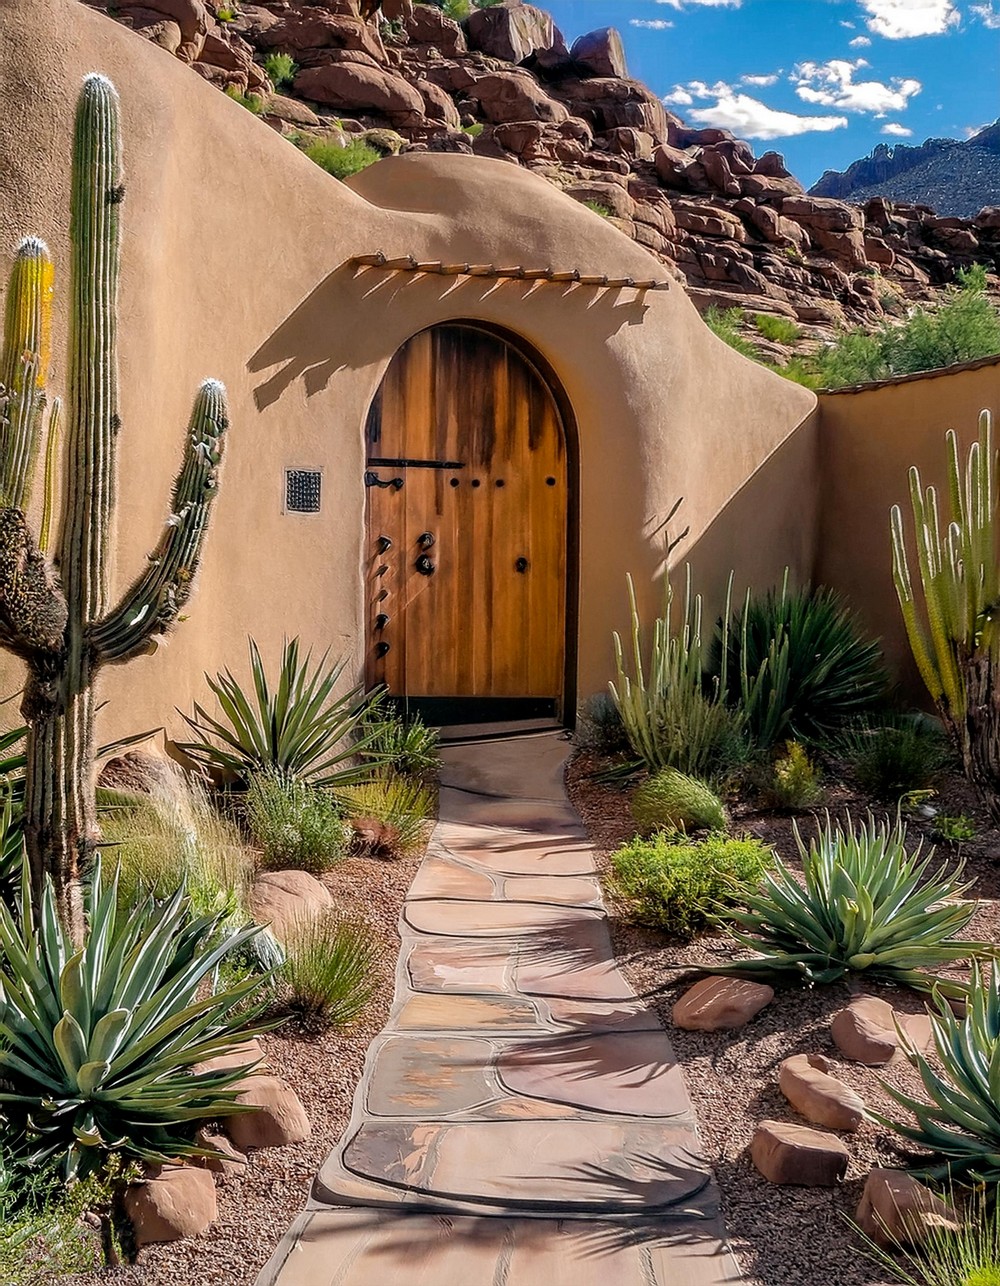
[235,247]
[868,441]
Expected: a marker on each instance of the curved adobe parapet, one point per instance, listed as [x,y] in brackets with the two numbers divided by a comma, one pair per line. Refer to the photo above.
[238,264]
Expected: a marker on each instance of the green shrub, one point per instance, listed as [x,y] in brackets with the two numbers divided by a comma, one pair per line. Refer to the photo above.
[600,728]
[596,207]
[794,779]
[327,978]
[954,830]
[797,665]
[726,324]
[679,884]
[389,815]
[100,1042]
[674,801]
[342,161]
[672,718]
[175,838]
[893,756]
[474,130]
[296,728]
[780,330]
[396,744]
[865,906]
[295,824]
[280,69]
[254,103]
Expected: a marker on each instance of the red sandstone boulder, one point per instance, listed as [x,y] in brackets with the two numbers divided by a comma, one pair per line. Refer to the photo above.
[611,195]
[226,1162]
[806,1082]
[356,87]
[866,1031]
[677,169]
[718,173]
[515,33]
[428,26]
[281,898]
[515,96]
[438,105]
[154,27]
[279,1118]
[988,218]
[608,103]
[601,53]
[822,213]
[171,1202]
[720,1004]
[772,166]
[763,187]
[897,1210]
[794,1154]
[306,33]
[191,17]
[291,110]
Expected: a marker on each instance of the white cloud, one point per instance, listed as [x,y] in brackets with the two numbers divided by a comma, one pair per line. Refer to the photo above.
[760,82]
[832,84]
[896,130]
[859,42]
[747,117]
[650,24]
[987,15]
[897,19]
[848,25]
[678,97]
[706,4]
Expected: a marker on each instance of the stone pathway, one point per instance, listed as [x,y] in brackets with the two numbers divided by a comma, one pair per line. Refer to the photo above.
[522,1120]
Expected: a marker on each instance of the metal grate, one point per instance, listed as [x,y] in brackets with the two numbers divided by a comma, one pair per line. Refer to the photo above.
[303,489]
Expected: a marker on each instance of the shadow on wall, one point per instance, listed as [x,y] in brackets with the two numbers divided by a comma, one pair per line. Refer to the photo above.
[312,345]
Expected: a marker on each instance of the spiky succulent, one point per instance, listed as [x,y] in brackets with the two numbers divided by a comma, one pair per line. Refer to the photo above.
[98,1044]
[960,1126]
[865,905]
[672,800]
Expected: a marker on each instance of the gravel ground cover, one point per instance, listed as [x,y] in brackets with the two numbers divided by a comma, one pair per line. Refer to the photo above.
[783,1236]
[255,1210]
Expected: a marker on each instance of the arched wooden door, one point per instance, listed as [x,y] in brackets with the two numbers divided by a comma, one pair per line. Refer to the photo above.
[467,510]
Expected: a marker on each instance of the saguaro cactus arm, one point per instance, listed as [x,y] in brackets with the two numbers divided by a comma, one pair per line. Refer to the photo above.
[153,602]
[24,360]
[32,609]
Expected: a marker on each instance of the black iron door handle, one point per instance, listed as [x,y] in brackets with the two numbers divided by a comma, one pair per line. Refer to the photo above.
[373,480]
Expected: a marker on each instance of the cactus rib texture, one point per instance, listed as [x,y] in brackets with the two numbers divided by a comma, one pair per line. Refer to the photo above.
[65,631]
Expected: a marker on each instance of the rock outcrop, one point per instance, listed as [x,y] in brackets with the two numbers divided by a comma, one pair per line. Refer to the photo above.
[737,229]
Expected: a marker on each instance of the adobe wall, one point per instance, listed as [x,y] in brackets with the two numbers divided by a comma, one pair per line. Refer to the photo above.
[868,440]
[235,259]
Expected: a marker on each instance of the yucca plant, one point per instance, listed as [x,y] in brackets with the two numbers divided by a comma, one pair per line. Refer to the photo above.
[296,728]
[960,1126]
[98,1042]
[955,638]
[328,973]
[396,744]
[670,718]
[866,905]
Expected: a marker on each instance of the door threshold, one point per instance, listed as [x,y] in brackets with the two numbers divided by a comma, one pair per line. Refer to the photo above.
[495,730]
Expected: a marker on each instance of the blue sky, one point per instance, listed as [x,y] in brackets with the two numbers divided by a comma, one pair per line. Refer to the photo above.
[822,81]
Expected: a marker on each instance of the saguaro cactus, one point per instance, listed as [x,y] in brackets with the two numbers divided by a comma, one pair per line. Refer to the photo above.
[57,616]
[956,639]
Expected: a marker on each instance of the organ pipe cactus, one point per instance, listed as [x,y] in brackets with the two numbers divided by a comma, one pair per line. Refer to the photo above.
[955,639]
[57,615]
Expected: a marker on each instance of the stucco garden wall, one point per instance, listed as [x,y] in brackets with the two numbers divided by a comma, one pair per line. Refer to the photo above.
[235,265]
[868,440]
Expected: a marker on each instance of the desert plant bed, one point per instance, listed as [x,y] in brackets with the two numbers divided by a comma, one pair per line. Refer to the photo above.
[783,1236]
[256,1208]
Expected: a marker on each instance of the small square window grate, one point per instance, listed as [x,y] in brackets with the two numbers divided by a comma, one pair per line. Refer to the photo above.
[303,488]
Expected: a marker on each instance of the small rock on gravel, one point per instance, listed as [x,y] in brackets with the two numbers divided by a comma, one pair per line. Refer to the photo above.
[866,1031]
[795,1154]
[228,1164]
[172,1202]
[280,1118]
[897,1210]
[282,899]
[720,1004]
[806,1082]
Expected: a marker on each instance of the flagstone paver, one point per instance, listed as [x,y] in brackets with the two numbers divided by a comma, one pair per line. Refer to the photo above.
[522,1118]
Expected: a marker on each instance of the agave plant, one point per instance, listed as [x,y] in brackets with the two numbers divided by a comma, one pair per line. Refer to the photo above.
[297,729]
[98,1044]
[960,1126]
[866,906]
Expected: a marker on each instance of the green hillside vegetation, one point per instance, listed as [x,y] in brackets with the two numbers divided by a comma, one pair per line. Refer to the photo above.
[966,326]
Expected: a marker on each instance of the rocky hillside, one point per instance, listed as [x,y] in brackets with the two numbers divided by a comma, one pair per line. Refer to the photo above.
[737,229]
[952,177]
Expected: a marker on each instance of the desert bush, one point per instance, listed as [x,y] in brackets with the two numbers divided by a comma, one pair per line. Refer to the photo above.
[342,160]
[294,824]
[794,782]
[865,905]
[389,815]
[327,977]
[100,1040]
[597,207]
[780,330]
[296,728]
[894,755]
[280,69]
[672,717]
[797,665]
[960,1126]
[726,324]
[176,838]
[955,636]
[254,103]
[600,728]
[672,800]
[679,884]
[954,830]
[396,744]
